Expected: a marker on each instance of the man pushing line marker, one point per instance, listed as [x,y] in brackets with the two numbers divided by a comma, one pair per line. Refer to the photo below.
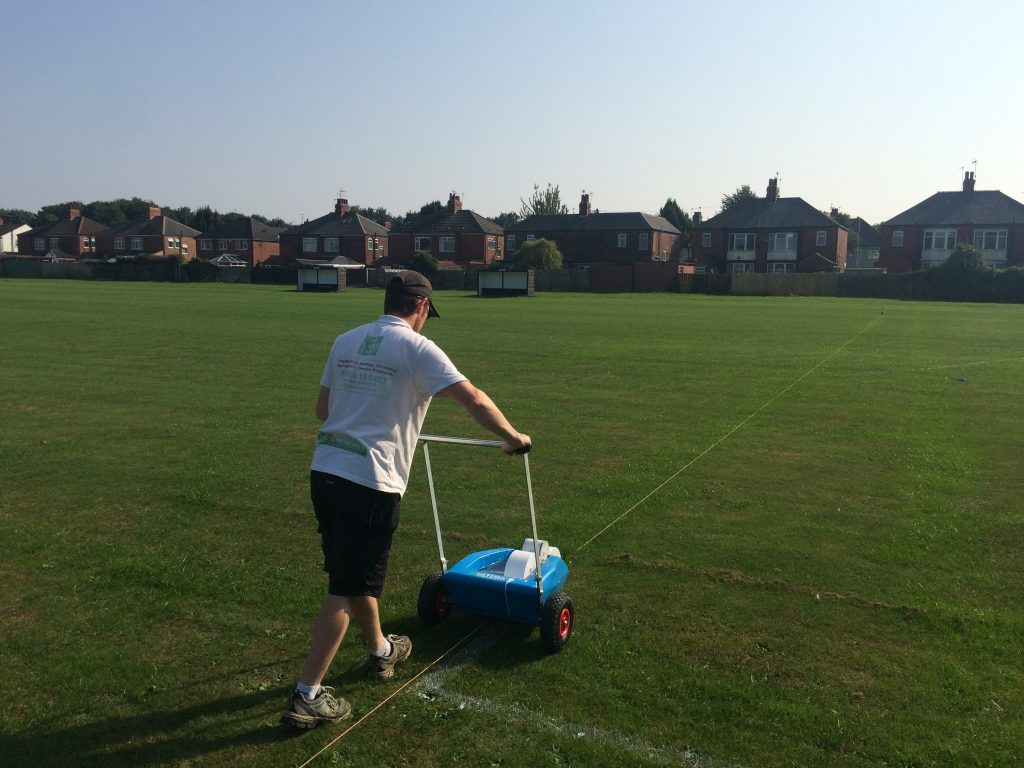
[375,390]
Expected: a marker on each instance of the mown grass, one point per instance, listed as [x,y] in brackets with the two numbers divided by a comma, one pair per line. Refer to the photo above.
[835,582]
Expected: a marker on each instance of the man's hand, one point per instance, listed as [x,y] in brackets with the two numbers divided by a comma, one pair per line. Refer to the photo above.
[517,447]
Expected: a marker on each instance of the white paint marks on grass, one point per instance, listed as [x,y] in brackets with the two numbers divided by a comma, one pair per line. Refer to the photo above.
[433,687]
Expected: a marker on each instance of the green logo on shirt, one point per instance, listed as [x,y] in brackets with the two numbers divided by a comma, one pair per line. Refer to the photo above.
[370,346]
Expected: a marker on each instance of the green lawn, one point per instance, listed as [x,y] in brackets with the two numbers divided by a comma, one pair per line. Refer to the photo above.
[833,579]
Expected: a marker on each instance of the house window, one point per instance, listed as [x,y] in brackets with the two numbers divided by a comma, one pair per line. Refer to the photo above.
[206,245]
[897,238]
[118,243]
[222,245]
[622,239]
[820,237]
[742,266]
[331,245]
[642,241]
[242,245]
[54,243]
[136,243]
[939,239]
[705,240]
[492,243]
[990,239]
[742,241]
[309,245]
[446,244]
[529,237]
[39,244]
[783,267]
[510,243]
[184,248]
[88,242]
[782,241]
[422,245]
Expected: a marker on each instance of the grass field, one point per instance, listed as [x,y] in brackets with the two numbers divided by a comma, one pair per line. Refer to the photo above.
[832,576]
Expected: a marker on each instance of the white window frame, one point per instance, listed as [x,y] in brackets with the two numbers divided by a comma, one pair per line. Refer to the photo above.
[781,267]
[820,238]
[242,245]
[446,244]
[205,245]
[530,237]
[510,243]
[184,248]
[643,241]
[705,240]
[332,245]
[38,243]
[622,239]
[741,266]
[492,243]
[136,244]
[998,239]
[897,238]
[938,239]
[118,243]
[422,244]
[786,239]
[748,239]
[222,244]
[309,245]
[54,243]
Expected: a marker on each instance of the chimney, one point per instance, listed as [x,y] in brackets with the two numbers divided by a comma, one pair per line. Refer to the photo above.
[73,213]
[585,204]
[341,206]
[968,181]
[454,203]
[697,218]
[153,212]
[773,190]
[388,225]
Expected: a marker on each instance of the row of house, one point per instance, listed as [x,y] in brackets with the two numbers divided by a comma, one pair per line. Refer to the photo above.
[768,234]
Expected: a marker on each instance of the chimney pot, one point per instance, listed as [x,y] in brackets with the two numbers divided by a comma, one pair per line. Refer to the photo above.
[585,204]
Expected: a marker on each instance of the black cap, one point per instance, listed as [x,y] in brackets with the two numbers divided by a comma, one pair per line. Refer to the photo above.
[410,283]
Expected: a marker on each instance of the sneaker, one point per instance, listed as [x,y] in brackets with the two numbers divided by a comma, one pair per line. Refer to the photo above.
[325,708]
[383,667]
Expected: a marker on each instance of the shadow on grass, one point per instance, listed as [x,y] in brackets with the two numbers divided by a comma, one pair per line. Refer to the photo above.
[181,736]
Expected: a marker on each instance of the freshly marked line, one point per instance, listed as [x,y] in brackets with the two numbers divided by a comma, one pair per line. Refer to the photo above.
[977,362]
[667,753]
[728,434]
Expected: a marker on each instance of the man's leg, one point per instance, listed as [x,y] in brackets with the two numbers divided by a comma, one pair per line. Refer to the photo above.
[365,612]
[328,631]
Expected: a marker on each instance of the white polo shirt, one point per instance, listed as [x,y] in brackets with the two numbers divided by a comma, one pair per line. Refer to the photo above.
[382,376]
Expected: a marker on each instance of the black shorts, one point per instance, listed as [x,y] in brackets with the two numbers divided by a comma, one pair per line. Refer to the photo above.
[356,525]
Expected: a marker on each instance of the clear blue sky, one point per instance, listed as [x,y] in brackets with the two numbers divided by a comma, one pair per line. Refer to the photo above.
[271,107]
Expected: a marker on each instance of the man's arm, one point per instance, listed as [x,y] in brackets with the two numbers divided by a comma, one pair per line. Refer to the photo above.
[323,403]
[487,415]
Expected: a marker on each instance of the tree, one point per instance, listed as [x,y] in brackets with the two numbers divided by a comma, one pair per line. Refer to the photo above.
[741,193]
[380,215]
[506,219]
[542,202]
[205,218]
[426,265]
[677,217]
[964,275]
[17,216]
[541,254]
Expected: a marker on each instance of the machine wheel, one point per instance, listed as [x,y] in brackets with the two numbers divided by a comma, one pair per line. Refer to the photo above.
[433,606]
[556,622]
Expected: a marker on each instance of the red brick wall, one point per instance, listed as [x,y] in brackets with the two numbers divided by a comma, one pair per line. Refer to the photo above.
[905,258]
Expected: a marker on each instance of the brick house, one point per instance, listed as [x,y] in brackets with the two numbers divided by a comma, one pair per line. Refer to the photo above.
[461,237]
[155,234]
[600,238]
[924,235]
[73,236]
[249,240]
[339,233]
[769,234]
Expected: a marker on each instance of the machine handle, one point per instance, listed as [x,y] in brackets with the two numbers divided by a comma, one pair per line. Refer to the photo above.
[460,441]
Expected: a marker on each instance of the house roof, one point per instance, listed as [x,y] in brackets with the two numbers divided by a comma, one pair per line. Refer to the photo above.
[869,236]
[6,229]
[335,223]
[450,222]
[593,222]
[955,208]
[80,225]
[248,228]
[158,225]
[760,213]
